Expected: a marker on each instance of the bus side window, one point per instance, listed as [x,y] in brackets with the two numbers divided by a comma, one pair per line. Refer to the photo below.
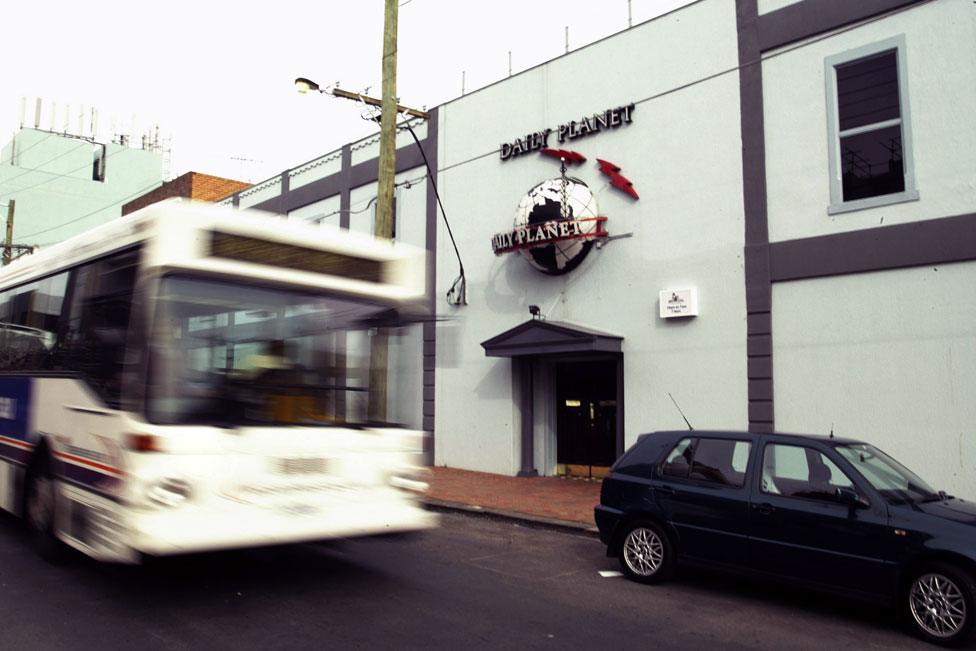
[30,316]
[97,322]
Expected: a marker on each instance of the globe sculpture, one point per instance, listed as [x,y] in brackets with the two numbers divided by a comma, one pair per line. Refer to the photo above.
[559,199]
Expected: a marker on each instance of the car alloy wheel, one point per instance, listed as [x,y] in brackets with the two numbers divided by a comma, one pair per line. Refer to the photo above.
[643,552]
[938,606]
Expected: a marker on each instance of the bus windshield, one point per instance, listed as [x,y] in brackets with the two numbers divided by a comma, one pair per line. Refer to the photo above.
[231,353]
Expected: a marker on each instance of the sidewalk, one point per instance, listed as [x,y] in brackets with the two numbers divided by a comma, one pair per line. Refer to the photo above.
[555,501]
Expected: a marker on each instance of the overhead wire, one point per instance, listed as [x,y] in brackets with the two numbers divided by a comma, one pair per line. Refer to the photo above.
[135,194]
[779,52]
[725,71]
[14,152]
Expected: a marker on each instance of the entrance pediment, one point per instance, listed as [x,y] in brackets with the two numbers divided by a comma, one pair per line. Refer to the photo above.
[539,337]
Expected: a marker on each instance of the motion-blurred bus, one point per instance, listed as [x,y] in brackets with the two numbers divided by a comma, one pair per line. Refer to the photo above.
[194,378]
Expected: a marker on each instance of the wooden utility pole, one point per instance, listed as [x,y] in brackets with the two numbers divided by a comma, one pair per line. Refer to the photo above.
[383,223]
[9,241]
[383,226]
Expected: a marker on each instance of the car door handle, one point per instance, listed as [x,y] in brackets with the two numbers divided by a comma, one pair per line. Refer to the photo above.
[666,490]
[764,508]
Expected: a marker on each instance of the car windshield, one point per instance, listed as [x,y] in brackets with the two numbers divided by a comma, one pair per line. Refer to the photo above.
[895,482]
[228,353]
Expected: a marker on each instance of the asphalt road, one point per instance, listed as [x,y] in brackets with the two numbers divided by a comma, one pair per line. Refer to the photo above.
[475,582]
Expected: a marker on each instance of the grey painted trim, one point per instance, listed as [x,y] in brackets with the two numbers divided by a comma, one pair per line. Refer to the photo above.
[759,361]
[621,445]
[407,157]
[751,123]
[526,366]
[837,203]
[933,241]
[873,202]
[285,185]
[430,145]
[345,194]
[812,17]
[538,337]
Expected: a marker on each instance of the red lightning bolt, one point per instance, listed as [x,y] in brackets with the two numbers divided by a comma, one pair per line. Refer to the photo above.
[616,179]
[568,156]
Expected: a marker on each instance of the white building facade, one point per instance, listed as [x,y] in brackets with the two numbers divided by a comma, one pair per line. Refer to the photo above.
[766,217]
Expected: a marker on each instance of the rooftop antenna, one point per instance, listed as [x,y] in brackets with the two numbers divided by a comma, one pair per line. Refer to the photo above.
[690,428]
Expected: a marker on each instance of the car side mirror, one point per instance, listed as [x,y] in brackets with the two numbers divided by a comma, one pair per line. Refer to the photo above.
[847,495]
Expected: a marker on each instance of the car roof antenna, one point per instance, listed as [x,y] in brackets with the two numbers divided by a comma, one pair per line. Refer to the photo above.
[680,412]
[831,430]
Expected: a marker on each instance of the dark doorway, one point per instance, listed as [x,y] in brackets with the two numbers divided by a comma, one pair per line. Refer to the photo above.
[586,417]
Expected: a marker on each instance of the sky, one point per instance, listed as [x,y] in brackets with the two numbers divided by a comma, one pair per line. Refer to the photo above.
[217,77]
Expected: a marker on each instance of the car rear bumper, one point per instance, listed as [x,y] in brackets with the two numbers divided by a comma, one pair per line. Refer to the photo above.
[607,519]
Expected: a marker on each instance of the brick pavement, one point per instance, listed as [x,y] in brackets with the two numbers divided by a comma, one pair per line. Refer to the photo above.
[559,498]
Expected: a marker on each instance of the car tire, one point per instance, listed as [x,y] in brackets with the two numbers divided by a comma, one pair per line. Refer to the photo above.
[40,504]
[938,604]
[645,552]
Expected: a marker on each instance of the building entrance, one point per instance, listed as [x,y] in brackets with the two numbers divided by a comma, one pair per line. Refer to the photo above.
[586,417]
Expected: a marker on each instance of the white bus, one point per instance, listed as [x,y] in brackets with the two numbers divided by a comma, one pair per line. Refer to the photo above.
[194,378]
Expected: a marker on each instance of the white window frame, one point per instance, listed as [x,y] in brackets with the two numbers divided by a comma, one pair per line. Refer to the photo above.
[834,134]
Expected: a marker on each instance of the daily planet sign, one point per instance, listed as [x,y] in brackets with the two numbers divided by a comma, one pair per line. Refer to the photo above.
[556,224]
[609,119]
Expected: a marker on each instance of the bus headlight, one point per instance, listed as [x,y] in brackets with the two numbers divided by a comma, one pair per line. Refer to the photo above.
[168,491]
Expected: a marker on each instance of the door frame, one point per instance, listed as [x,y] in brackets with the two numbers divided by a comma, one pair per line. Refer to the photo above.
[524,371]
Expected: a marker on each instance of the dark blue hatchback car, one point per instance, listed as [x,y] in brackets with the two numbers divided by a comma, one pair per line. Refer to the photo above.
[823,512]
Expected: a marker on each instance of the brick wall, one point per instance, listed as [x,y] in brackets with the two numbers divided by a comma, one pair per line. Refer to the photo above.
[192,185]
[214,188]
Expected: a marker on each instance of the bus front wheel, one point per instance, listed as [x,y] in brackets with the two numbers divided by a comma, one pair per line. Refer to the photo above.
[40,505]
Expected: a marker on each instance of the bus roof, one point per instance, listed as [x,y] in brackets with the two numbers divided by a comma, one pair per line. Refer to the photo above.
[200,236]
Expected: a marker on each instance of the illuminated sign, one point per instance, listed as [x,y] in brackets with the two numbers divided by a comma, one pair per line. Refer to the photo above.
[248,249]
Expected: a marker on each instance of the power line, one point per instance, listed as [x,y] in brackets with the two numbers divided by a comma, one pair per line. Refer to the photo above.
[726,71]
[27,171]
[94,212]
[14,152]
[55,175]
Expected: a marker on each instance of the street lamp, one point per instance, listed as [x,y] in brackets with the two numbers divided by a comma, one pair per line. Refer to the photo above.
[303,85]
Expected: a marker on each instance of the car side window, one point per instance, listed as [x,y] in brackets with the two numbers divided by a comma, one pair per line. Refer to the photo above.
[798,471]
[678,461]
[720,461]
[717,461]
